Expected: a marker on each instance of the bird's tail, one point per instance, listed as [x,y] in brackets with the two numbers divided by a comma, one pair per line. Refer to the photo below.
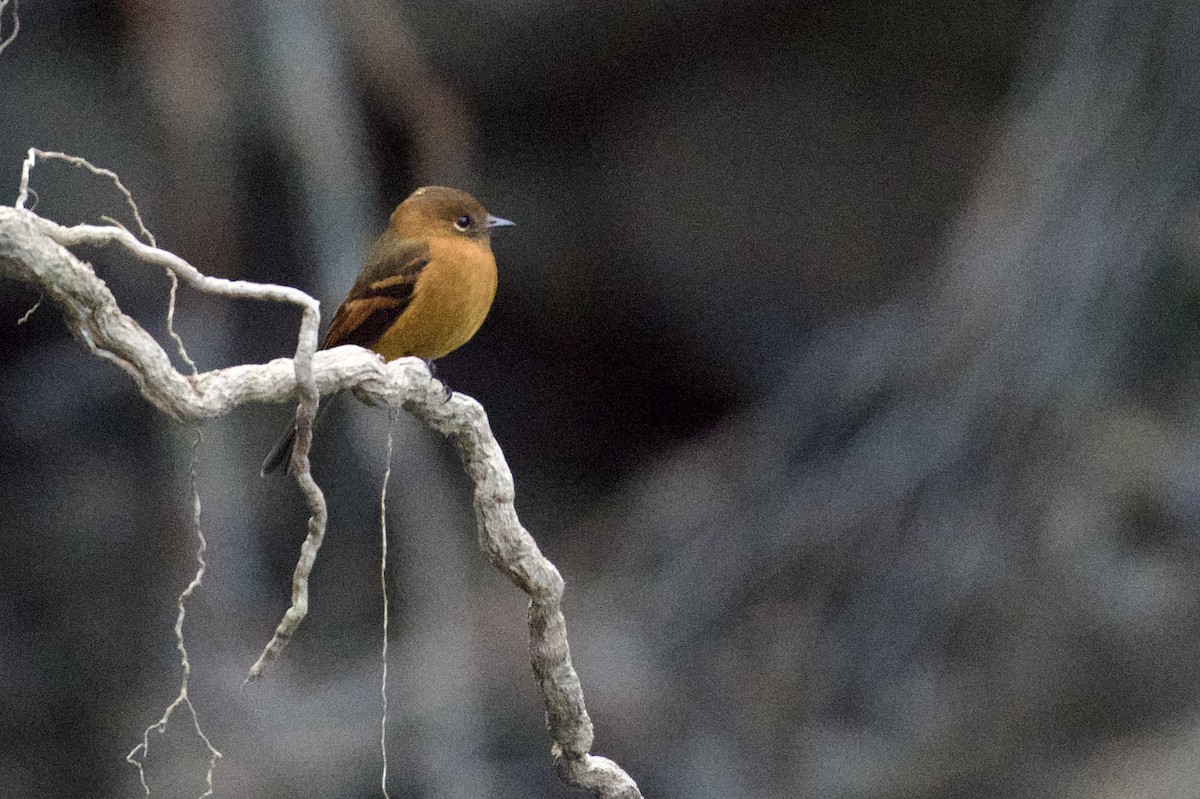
[281,453]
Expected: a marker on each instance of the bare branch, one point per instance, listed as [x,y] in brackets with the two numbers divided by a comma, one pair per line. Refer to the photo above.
[32,250]
[38,246]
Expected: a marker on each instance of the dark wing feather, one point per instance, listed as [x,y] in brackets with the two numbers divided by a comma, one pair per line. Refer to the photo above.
[383,291]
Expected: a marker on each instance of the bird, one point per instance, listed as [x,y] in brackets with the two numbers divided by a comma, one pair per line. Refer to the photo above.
[426,286]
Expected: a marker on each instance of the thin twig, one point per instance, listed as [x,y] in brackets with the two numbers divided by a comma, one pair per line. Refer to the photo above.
[26,171]
[83,163]
[16,24]
[25,316]
[179,346]
[171,323]
[137,757]
[383,590]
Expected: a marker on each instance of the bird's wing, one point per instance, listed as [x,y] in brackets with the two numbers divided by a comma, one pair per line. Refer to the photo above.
[381,294]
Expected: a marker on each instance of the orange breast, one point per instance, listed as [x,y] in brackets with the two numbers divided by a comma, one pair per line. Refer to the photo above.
[450,300]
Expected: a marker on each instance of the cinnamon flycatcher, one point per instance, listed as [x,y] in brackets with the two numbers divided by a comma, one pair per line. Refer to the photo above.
[425,288]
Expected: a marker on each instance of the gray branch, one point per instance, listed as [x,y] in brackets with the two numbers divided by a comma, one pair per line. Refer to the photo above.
[33,250]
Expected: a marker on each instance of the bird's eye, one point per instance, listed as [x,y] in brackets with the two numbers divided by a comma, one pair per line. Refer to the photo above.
[463,222]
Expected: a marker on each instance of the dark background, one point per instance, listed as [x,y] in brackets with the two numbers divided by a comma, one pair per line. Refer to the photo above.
[844,357]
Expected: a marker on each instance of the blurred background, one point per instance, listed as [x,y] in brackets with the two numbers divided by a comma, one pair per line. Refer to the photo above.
[845,357]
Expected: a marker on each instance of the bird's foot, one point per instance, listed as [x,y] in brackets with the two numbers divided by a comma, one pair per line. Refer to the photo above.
[449,392]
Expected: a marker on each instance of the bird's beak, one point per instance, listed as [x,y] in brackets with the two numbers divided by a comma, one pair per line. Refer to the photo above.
[495,222]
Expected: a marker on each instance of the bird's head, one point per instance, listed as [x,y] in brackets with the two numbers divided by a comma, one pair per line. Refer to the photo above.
[441,211]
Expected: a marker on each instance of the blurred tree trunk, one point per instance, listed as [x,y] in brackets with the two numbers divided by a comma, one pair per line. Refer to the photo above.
[920,551]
